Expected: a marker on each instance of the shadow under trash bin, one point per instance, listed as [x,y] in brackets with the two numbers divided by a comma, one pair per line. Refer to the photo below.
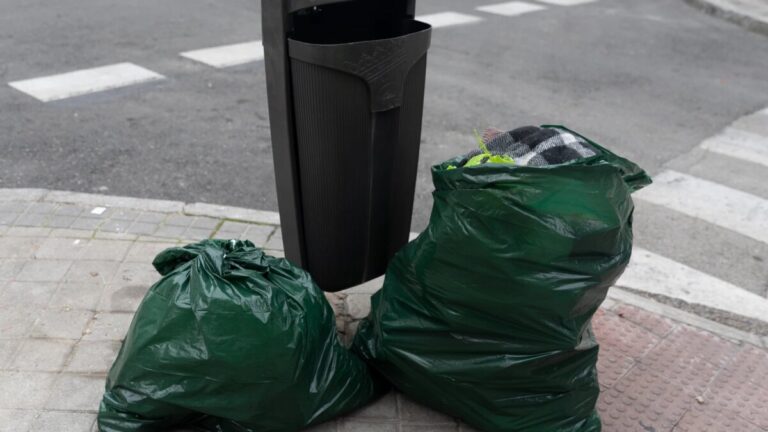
[346,92]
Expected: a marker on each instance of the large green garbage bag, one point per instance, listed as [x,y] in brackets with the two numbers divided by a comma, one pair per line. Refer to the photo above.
[231,339]
[486,315]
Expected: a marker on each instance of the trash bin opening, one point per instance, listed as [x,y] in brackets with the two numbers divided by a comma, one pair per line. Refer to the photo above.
[331,33]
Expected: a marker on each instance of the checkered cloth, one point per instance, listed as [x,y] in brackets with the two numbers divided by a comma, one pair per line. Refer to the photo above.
[534,146]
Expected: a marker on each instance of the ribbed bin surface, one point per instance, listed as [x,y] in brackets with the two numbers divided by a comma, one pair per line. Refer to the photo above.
[357,162]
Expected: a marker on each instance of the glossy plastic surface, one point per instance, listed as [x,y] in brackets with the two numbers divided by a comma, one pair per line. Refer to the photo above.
[486,315]
[230,339]
[358,97]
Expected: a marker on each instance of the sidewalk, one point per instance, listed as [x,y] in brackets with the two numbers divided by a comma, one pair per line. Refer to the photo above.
[74,267]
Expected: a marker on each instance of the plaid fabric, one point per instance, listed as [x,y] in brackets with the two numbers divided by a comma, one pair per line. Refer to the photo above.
[534,146]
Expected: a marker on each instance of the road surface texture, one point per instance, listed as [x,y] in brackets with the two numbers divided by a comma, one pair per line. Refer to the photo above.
[653,80]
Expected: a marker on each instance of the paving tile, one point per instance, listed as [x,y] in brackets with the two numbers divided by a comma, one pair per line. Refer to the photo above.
[628,338]
[412,412]
[105,235]
[106,250]
[205,222]
[702,418]
[16,322]
[77,295]
[383,409]
[32,220]
[367,426]
[198,234]
[42,355]
[16,420]
[235,229]
[14,206]
[71,233]
[648,399]
[170,231]
[8,348]
[179,220]
[108,326]
[275,241]
[69,210]
[654,323]
[44,270]
[142,228]
[145,252]
[9,268]
[122,298]
[93,356]
[63,422]
[124,214]
[737,389]
[99,272]
[60,221]
[61,248]
[259,234]
[32,294]
[703,345]
[612,365]
[8,218]
[358,305]
[151,217]
[18,247]
[73,392]
[61,323]
[115,226]
[25,390]
[41,208]
[20,231]
[86,223]
[135,273]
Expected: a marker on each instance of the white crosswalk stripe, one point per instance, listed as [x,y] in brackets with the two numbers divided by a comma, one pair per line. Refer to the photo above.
[85,81]
[656,274]
[447,19]
[228,55]
[720,205]
[513,8]
[739,144]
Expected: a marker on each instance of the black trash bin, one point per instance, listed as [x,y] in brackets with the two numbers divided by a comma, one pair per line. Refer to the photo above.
[346,91]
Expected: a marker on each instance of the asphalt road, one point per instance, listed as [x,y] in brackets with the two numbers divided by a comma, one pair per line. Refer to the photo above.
[648,79]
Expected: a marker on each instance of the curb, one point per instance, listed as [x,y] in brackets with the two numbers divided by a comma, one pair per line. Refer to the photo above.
[144,204]
[616,294]
[736,13]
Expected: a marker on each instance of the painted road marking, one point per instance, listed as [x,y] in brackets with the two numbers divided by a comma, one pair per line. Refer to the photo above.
[85,81]
[729,208]
[511,8]
[445,19]
[566,2]
[228,55]
[739,144]
[656,274]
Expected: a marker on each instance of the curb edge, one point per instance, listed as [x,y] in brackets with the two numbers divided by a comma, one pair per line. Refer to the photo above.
[742,19]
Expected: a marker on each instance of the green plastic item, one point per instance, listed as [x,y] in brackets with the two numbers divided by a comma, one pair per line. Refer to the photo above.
[231,339]
[486,315]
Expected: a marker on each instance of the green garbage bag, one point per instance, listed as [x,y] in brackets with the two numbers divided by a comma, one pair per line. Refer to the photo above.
[486,315]
[230,339]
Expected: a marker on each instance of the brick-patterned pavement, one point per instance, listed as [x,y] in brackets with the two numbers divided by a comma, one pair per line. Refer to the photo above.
[72,272]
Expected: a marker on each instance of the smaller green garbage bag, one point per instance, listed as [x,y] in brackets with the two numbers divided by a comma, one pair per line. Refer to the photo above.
[486,315]
[231,339]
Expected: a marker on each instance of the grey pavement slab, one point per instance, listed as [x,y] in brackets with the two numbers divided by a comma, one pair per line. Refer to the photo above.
[59,335]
